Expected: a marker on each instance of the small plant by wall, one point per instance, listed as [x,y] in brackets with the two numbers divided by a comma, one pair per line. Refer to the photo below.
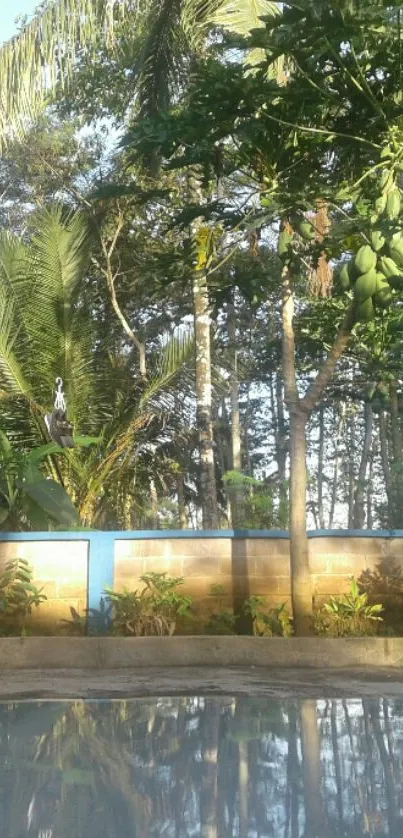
[350,615]
[18,597]
[268,622]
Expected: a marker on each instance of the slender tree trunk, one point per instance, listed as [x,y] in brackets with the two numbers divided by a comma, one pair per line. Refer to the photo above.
[336,464]
[384,448]
[337,764]
[370,520]
[154,504]
[301,584]
[204,396]
[397,447]
[300,410]
[180,485]
[351,474]
[321,462]
[236,444]
[359,496]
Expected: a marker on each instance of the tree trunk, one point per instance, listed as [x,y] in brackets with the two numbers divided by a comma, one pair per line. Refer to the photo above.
[202,320]
[359,496]
[236,445]
[384,447]
[243,778]
[321,461]
[180,484]
[351,474]
[335,481]
[397,446]
[301,584]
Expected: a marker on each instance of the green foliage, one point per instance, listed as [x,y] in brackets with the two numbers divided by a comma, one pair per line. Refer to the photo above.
[27,498]
[349,615]
[94,622]
[152,611]
[18,596]
[272,622]
[222,620]
[256,501]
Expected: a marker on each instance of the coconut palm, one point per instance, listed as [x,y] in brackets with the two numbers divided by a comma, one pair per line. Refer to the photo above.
[47,329]
[170,33]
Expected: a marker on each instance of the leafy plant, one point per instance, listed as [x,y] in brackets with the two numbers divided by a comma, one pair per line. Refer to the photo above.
[349,615]
[94,621]
[152,611]
[222,621]
[18,596]
[273,622]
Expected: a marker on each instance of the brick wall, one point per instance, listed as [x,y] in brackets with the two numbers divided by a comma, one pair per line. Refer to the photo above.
[61,569]
[243,566]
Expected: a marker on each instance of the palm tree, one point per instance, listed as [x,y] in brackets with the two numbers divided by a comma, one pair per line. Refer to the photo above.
[48,330]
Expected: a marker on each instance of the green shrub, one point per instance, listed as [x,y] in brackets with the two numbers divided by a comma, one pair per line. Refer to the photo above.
[152,611]
[271,622]
[222,620]
[18,596]
[349,615]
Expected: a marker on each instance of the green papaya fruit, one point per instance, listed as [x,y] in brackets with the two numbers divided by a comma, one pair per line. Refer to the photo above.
[381,281]
[383,297]
[365,259]
[377,240]
[306,230]
[396,282]
[284,241]
[365,286]
[365,311]
[393,203]
[388,266]
[343,277]
[396,252]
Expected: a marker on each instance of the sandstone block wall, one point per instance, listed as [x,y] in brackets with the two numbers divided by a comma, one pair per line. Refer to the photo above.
[242,566]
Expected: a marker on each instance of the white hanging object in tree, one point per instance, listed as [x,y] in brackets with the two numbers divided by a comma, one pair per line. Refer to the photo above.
[59,428]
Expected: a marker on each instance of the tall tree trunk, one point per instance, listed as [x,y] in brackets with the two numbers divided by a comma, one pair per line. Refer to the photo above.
[370,520]
[243,778]
[351,474]
[384,448]
[359,496]
[397,447]
[300,410]
[180,485]
[301,584]
[204,396]
[336,464]
[236,444]
[154,504]
[321,462]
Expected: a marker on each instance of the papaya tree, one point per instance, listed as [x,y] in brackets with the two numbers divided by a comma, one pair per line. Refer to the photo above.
[330,133]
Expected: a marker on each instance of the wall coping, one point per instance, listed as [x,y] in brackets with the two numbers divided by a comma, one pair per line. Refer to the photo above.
[104,653]
[139,535]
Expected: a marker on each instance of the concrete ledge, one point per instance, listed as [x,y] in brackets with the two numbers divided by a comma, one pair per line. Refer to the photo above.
[149,652]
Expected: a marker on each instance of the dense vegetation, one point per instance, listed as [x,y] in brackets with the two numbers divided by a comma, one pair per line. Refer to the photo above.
[202,235]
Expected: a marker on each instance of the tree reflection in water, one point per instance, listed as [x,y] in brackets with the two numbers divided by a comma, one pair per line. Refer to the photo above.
[214,767]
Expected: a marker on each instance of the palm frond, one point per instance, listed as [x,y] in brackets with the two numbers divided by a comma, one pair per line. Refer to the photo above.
[241,16]
[159,64]
[43,55]
[13,381]
[172,358]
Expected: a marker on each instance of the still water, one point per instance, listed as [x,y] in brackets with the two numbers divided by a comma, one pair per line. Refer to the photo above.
[209,767]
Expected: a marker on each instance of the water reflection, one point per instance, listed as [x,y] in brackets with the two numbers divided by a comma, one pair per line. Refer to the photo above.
[213,767]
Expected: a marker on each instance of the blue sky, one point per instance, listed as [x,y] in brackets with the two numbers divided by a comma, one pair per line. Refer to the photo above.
[9,11]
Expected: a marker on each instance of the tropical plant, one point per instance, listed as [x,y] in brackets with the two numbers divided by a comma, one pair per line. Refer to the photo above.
[18,596]
[275,622]
[222,620]
[349,614]
[153,610]
[28,499]
[117,412]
